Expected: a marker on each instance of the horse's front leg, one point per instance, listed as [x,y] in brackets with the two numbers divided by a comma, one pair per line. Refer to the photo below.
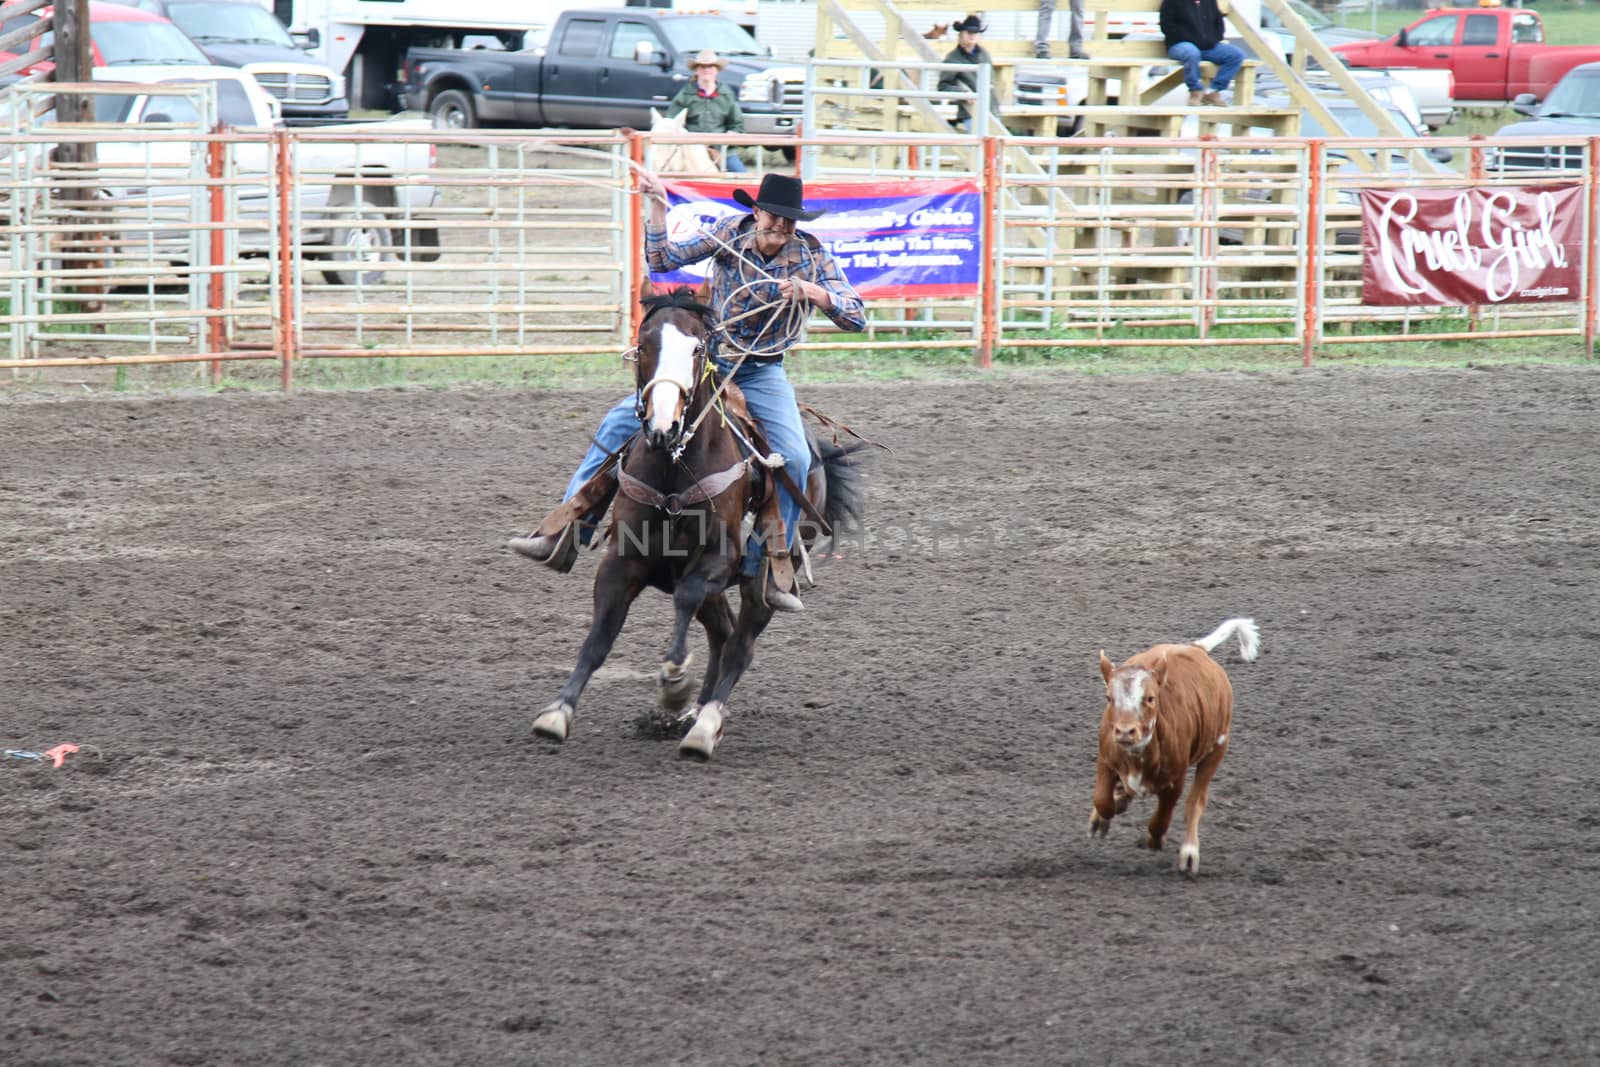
[617,584]
[717,618]
[673,683]
[737,653]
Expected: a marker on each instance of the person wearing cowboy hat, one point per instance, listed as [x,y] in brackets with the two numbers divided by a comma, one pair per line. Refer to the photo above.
[759,262]
[707,108]
[969,52]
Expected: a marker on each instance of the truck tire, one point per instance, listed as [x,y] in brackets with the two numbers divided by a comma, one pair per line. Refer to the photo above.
[362,244]
[452,110]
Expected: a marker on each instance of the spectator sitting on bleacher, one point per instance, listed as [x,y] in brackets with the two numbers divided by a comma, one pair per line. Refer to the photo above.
[1194,31]
[1041,32]
[969,51]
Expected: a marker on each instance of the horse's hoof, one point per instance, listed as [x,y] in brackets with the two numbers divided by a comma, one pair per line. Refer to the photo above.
[554,721]
[674,686]
[701,740]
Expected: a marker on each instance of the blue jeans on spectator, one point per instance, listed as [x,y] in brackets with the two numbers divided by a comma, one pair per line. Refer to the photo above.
[732,163]
[769,396]
[1227,58]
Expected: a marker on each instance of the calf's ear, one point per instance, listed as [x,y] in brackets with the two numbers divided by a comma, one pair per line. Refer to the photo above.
[1160,670]
[1106,667]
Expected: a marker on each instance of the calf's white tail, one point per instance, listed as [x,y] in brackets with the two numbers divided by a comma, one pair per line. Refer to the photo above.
[1249,637]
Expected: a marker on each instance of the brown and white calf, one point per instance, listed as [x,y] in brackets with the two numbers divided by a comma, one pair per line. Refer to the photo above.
[1168,708]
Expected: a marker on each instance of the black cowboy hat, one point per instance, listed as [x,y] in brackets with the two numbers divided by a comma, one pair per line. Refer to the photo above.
[970,24]
[780,195]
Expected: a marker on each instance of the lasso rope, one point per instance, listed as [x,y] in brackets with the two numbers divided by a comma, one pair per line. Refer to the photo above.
[787,315]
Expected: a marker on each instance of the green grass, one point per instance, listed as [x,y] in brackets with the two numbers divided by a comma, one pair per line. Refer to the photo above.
[811,367]
[911,364]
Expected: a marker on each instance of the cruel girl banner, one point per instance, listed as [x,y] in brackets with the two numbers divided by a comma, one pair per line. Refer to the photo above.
[1507,245]
[892,239]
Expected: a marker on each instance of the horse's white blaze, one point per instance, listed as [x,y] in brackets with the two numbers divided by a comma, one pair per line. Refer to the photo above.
[674,377]
[1127,690]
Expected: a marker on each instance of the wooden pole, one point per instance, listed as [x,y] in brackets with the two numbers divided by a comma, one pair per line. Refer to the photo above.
[75,65]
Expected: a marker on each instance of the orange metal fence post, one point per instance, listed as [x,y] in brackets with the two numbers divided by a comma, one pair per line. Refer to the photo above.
[1475,174]
[1591,313]
[1211,199]
[216,333]
[1313,279]
[989,261]
[635,215]
[284,329]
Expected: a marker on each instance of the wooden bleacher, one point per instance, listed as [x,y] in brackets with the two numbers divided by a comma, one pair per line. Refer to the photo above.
[1129,87]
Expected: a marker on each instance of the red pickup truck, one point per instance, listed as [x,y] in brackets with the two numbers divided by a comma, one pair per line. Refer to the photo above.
[1494,53]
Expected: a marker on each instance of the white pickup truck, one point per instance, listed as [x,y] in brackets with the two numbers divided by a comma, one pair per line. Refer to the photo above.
[358,204]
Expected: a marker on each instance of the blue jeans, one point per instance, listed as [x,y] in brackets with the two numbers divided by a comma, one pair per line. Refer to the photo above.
[731,161]
[1227,58]
[770,398]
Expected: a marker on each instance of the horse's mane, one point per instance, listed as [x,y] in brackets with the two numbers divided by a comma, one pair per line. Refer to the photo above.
[682,296]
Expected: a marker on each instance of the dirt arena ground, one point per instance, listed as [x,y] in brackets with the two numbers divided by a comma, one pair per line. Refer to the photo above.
[309,825]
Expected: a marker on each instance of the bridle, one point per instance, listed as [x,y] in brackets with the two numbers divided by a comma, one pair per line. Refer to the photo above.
[700,368]
[707,487]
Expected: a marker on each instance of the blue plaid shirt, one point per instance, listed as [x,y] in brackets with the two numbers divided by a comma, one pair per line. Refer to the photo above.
[802,257]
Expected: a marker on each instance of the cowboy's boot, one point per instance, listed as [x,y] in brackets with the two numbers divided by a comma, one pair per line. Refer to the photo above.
[558,551]
[777,566]
[556,541]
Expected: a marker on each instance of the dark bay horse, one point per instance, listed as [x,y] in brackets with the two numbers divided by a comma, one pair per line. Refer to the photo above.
[680,523]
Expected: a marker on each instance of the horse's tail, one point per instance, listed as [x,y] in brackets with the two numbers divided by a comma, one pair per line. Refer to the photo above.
[846,505]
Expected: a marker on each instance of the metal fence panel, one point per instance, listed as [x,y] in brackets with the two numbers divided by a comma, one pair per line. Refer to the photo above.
[398,240]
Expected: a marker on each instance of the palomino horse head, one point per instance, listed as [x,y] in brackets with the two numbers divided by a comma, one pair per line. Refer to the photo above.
[672,362]
[677,158]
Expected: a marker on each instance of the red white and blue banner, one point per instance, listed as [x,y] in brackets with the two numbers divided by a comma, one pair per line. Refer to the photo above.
[1466,246]
[892,239]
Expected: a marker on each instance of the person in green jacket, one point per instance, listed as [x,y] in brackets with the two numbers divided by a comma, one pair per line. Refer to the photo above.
[708,107]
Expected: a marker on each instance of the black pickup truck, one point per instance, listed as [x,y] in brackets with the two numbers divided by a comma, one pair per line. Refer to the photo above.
[600,69]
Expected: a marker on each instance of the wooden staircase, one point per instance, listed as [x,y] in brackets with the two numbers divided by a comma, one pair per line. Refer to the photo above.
[1128,88]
